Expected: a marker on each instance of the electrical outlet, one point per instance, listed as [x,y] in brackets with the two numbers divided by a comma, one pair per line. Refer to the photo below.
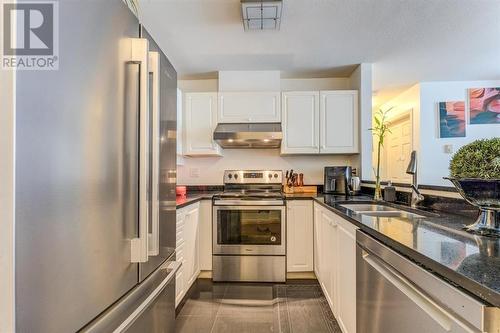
[194,172]
[448,149]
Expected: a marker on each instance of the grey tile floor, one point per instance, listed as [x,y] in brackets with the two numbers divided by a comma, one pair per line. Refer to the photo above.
[297,306]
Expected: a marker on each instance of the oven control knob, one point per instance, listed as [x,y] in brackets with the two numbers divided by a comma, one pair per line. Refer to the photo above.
[275,175]
[273,238]
[270,176]
[235,176]
[230,176]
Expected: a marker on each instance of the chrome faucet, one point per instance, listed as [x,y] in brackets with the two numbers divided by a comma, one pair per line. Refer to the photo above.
[416,196]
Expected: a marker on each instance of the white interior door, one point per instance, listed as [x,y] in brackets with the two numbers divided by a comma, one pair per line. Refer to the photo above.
[397,150]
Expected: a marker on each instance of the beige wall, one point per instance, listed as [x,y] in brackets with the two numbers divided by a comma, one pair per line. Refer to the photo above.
[408,102]
[6,201]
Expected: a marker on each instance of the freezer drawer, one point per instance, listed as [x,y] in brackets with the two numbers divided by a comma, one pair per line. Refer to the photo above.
[395,295]
[150,307]
[159,315]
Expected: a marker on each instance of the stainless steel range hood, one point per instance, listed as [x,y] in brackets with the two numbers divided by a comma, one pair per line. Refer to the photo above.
[254,135]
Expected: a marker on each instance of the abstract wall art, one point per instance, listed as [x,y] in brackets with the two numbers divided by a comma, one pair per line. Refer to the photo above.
[484,106]
[451,119]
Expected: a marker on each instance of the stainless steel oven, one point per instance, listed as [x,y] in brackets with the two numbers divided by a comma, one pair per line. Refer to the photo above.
[245,229]
[249,228]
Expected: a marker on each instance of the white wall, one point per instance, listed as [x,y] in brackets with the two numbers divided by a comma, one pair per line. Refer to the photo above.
[422,98]
[434,162]
[334,83]
[208,85]
[7,201]
[211,85]
[210,169]
[361,79]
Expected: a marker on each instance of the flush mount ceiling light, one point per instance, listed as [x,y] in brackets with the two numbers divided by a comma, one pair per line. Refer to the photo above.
[261,14]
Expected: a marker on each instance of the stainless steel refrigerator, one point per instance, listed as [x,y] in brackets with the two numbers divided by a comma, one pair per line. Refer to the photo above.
[95,179]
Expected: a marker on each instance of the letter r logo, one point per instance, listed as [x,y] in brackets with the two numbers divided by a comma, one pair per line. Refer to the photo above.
[28,29]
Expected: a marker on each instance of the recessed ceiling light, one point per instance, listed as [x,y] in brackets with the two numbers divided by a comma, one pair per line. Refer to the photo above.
[261,14]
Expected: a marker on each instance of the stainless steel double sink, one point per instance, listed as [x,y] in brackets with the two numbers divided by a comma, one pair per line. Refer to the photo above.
[376,210]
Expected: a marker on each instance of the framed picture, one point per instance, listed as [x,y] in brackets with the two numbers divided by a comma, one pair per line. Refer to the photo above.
[484,106]
[451,119]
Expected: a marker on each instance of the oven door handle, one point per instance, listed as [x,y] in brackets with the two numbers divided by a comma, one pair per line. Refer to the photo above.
[266,229]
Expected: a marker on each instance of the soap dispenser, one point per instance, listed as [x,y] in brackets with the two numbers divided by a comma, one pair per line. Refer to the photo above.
[390,192]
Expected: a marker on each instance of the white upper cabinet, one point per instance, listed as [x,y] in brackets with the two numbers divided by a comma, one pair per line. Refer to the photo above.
[339,122]
[300,122]
[199,124]
[249,107]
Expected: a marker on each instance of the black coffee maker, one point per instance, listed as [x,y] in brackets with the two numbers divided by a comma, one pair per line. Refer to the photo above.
[337,180]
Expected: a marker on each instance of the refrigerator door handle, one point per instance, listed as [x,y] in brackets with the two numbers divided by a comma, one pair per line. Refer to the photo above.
[154,235]
[173,267]
[139,55]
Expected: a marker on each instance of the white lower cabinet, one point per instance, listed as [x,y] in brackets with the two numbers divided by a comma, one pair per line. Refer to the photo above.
[299,222]
[346,275]
[206,235]
[187,250]
[328,257]
[335,264]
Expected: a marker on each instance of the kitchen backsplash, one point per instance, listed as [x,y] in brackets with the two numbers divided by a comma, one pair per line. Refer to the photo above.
[209,170]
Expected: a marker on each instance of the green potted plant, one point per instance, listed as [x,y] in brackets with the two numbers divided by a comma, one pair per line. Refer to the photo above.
[475,172]
[379,131]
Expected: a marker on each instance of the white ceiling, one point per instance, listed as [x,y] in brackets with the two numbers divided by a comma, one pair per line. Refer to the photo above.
[406,40]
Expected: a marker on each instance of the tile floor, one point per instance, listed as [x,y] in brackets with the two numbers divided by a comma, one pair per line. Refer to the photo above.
[298,306]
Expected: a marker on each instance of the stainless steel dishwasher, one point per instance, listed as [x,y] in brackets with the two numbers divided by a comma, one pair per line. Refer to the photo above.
[396,295]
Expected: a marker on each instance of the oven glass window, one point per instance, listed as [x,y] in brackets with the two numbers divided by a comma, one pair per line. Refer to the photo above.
[249,227]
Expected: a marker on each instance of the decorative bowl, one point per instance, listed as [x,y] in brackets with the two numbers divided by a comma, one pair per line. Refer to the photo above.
[485,194]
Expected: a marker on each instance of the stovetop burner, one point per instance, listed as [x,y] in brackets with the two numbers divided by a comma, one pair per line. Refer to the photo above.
[252,185]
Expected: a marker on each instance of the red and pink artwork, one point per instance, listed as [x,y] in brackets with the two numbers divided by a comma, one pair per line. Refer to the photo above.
[484,105]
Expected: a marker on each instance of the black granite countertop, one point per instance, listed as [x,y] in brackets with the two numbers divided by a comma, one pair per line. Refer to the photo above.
[193,197]
[435,242]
